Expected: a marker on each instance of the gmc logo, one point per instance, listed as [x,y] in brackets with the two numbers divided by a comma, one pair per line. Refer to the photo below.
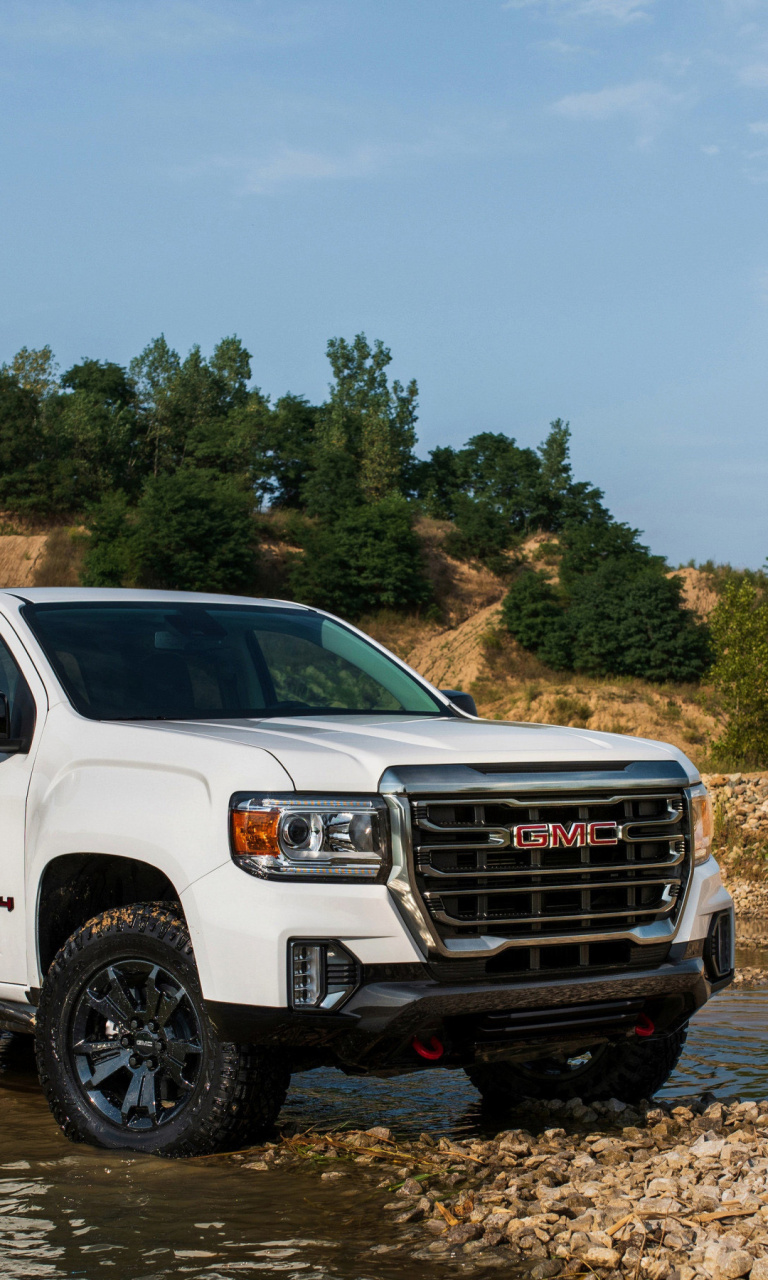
[556,835]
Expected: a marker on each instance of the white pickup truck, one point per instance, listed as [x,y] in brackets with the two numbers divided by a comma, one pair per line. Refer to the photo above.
[241,839]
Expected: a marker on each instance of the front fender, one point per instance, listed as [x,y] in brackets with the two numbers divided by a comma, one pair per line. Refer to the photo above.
[126,790]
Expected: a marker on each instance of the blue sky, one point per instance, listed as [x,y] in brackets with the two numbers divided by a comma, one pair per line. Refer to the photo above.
[544,207]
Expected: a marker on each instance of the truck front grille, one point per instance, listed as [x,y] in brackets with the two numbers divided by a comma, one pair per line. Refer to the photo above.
[551,869]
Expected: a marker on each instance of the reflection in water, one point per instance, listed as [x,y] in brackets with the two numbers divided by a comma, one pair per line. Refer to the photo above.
[76,1212]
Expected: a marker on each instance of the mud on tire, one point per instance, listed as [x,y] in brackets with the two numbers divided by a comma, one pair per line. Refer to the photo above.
[126,1054]
[630,1070]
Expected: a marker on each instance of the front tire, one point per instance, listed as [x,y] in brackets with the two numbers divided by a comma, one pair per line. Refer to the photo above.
[126,1053]
[630,1070]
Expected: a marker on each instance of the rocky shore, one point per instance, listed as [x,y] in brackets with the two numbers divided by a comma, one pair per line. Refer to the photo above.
[742,799]
[669,1191]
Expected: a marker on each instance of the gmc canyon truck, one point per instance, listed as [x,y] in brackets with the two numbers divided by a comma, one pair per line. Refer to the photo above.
[240,839]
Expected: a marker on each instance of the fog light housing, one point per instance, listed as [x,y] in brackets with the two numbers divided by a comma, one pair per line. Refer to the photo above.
[719,946]
[322,974]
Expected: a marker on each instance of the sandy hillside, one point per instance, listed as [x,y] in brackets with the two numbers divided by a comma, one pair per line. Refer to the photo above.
[20,555]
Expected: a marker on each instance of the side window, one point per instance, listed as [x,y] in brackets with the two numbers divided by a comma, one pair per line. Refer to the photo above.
[19,695]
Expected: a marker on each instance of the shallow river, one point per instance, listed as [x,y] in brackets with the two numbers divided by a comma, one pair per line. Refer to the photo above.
[70,1211]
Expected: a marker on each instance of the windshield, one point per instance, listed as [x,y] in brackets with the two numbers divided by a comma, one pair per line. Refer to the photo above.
[195,661]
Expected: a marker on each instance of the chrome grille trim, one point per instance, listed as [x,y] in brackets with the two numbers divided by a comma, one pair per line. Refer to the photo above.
[435,899]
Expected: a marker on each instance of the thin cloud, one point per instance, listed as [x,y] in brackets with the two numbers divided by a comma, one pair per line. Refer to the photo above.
[621,11]
[642,100]
[141,25]
[561,48]
[290,165]
[759,126]
[710,150]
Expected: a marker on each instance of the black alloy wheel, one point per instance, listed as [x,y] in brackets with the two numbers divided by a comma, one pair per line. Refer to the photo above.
[126,1053]
[136,1042]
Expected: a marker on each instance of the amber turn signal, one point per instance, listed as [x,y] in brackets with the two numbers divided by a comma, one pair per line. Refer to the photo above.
[254,831]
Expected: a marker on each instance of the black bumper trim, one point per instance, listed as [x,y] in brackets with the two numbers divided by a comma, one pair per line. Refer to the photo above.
[380,1019]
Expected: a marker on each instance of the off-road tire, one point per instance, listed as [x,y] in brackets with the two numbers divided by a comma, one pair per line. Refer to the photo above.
[238,1090]
[630,1070]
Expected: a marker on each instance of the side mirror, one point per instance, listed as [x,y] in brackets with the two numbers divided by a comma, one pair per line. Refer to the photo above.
[8,745]
[464,701]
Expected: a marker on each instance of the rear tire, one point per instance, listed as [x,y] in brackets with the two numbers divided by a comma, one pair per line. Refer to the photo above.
[629,1071]
[126,1053]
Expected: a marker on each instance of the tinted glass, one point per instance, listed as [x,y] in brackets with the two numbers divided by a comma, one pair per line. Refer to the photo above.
[190,661]
[20,701]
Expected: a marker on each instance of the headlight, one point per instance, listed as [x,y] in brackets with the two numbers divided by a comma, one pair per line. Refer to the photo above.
[297,837]
[703,824]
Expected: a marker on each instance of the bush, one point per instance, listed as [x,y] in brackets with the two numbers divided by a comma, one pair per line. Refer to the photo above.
[107,560]
[480,533]
[616,621]
[739,626]
[533,614]
[192,530]
[368,559]
[635,625]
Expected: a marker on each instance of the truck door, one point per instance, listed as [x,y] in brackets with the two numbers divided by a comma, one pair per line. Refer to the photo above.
[27,712]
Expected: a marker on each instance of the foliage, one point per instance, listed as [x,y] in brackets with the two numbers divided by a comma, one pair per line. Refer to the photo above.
[625,617]
[367,559]
[739,626]
[190,531]
[534,614]
[364,435]
[520,490]
[107,556]
[478,534]
[634,624]
[169,460]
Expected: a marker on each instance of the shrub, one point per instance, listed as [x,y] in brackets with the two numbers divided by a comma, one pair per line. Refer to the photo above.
[368,559]
[617,620]
[636,626]
[533,614]
[192,530]
[739,625]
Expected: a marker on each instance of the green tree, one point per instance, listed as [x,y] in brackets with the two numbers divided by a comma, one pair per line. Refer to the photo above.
[599,541]
[368,559]
[287,441]
[91,434]
[534,614]
[739,625]
[636,625]
[107,558]
[22,453]
[192,530]
[364,434]
[34,370]
[479,534]
[437,482]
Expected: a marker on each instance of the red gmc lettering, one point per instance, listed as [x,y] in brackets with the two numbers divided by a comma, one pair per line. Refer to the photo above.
[7,903]
[594,833]
[533,835]
[576,834]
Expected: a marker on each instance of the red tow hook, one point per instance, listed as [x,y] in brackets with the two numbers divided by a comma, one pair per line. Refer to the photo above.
[432,1053]
[644,1026]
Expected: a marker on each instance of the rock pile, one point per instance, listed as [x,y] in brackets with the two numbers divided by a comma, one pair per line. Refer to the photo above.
[675,1191]
[742,799]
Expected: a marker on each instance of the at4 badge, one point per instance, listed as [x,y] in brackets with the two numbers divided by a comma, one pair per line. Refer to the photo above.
[7,903]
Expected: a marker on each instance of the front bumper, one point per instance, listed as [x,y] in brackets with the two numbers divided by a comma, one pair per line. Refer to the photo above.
[477,1021]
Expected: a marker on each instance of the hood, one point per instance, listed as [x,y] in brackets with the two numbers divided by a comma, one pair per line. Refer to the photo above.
[338,753]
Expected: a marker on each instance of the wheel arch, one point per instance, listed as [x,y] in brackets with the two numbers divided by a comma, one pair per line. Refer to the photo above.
[75,887]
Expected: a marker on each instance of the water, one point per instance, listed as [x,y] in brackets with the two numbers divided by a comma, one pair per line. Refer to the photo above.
[70,1211]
